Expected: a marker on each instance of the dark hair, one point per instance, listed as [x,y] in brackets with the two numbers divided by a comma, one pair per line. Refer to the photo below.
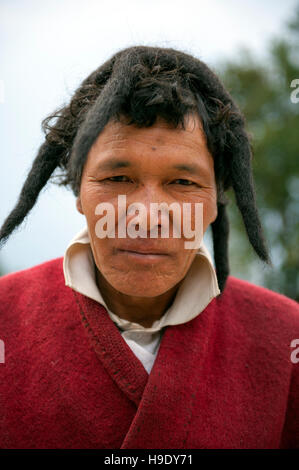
[142,83]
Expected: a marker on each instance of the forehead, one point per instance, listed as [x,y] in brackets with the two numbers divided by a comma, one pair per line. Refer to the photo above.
[118,135]
[153,150]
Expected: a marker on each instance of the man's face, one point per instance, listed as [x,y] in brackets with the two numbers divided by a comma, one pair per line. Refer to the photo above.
[158,164]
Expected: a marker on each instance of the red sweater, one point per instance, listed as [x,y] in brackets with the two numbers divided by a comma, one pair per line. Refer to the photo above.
[222,380]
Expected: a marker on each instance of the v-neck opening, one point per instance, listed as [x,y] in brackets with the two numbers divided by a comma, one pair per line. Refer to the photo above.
[118,359]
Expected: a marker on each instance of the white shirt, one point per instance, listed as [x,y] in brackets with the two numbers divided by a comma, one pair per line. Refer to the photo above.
[197,290]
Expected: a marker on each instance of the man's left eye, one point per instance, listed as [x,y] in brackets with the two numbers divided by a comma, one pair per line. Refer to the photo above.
[183,182]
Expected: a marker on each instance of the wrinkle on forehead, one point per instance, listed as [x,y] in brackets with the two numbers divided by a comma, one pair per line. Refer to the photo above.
[116,132]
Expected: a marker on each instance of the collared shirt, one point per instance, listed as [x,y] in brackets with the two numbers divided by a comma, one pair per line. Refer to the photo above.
[197,290]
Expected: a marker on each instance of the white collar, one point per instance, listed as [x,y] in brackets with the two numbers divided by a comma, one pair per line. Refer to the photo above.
[197,290]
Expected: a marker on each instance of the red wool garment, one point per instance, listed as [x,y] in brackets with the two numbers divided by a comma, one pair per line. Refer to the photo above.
[222,380]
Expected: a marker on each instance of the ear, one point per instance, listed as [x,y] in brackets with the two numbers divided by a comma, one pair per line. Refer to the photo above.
[78,205]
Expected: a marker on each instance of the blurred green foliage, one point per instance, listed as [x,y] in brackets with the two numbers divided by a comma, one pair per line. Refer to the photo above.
[263,92]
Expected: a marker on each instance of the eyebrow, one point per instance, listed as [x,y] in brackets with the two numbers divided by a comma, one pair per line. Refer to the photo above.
[187,168]
[116,164]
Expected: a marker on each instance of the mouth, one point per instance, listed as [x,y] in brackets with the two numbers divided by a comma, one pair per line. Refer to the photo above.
[143,255]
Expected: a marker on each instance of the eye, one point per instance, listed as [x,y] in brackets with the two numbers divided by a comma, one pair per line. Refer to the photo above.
[119,179]
[183,182]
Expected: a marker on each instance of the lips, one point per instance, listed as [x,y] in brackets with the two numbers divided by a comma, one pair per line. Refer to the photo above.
[142,253]
[147,249]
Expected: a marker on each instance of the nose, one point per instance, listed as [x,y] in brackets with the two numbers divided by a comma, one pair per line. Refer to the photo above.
[151,206]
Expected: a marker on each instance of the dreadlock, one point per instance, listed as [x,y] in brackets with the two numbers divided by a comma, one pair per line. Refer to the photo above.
[142,83]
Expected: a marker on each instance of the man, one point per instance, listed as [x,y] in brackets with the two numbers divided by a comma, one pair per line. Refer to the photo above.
[132,340]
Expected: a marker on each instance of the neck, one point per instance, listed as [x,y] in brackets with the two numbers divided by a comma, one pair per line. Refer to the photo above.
[142,310]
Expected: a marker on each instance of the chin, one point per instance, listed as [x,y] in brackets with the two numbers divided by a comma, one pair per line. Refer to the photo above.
[144,286]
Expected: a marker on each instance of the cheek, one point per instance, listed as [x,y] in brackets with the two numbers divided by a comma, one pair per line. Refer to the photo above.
[209,214]
[91,196]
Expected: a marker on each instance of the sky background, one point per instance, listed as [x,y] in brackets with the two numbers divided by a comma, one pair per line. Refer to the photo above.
[48,47]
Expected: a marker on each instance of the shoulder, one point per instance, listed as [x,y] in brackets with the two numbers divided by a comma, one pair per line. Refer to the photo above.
[27,292]
[47,273]
[48,266]
[260,306]
[29,295]
[247,292]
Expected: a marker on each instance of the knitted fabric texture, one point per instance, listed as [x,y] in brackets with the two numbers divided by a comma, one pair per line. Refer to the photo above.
[222,380]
